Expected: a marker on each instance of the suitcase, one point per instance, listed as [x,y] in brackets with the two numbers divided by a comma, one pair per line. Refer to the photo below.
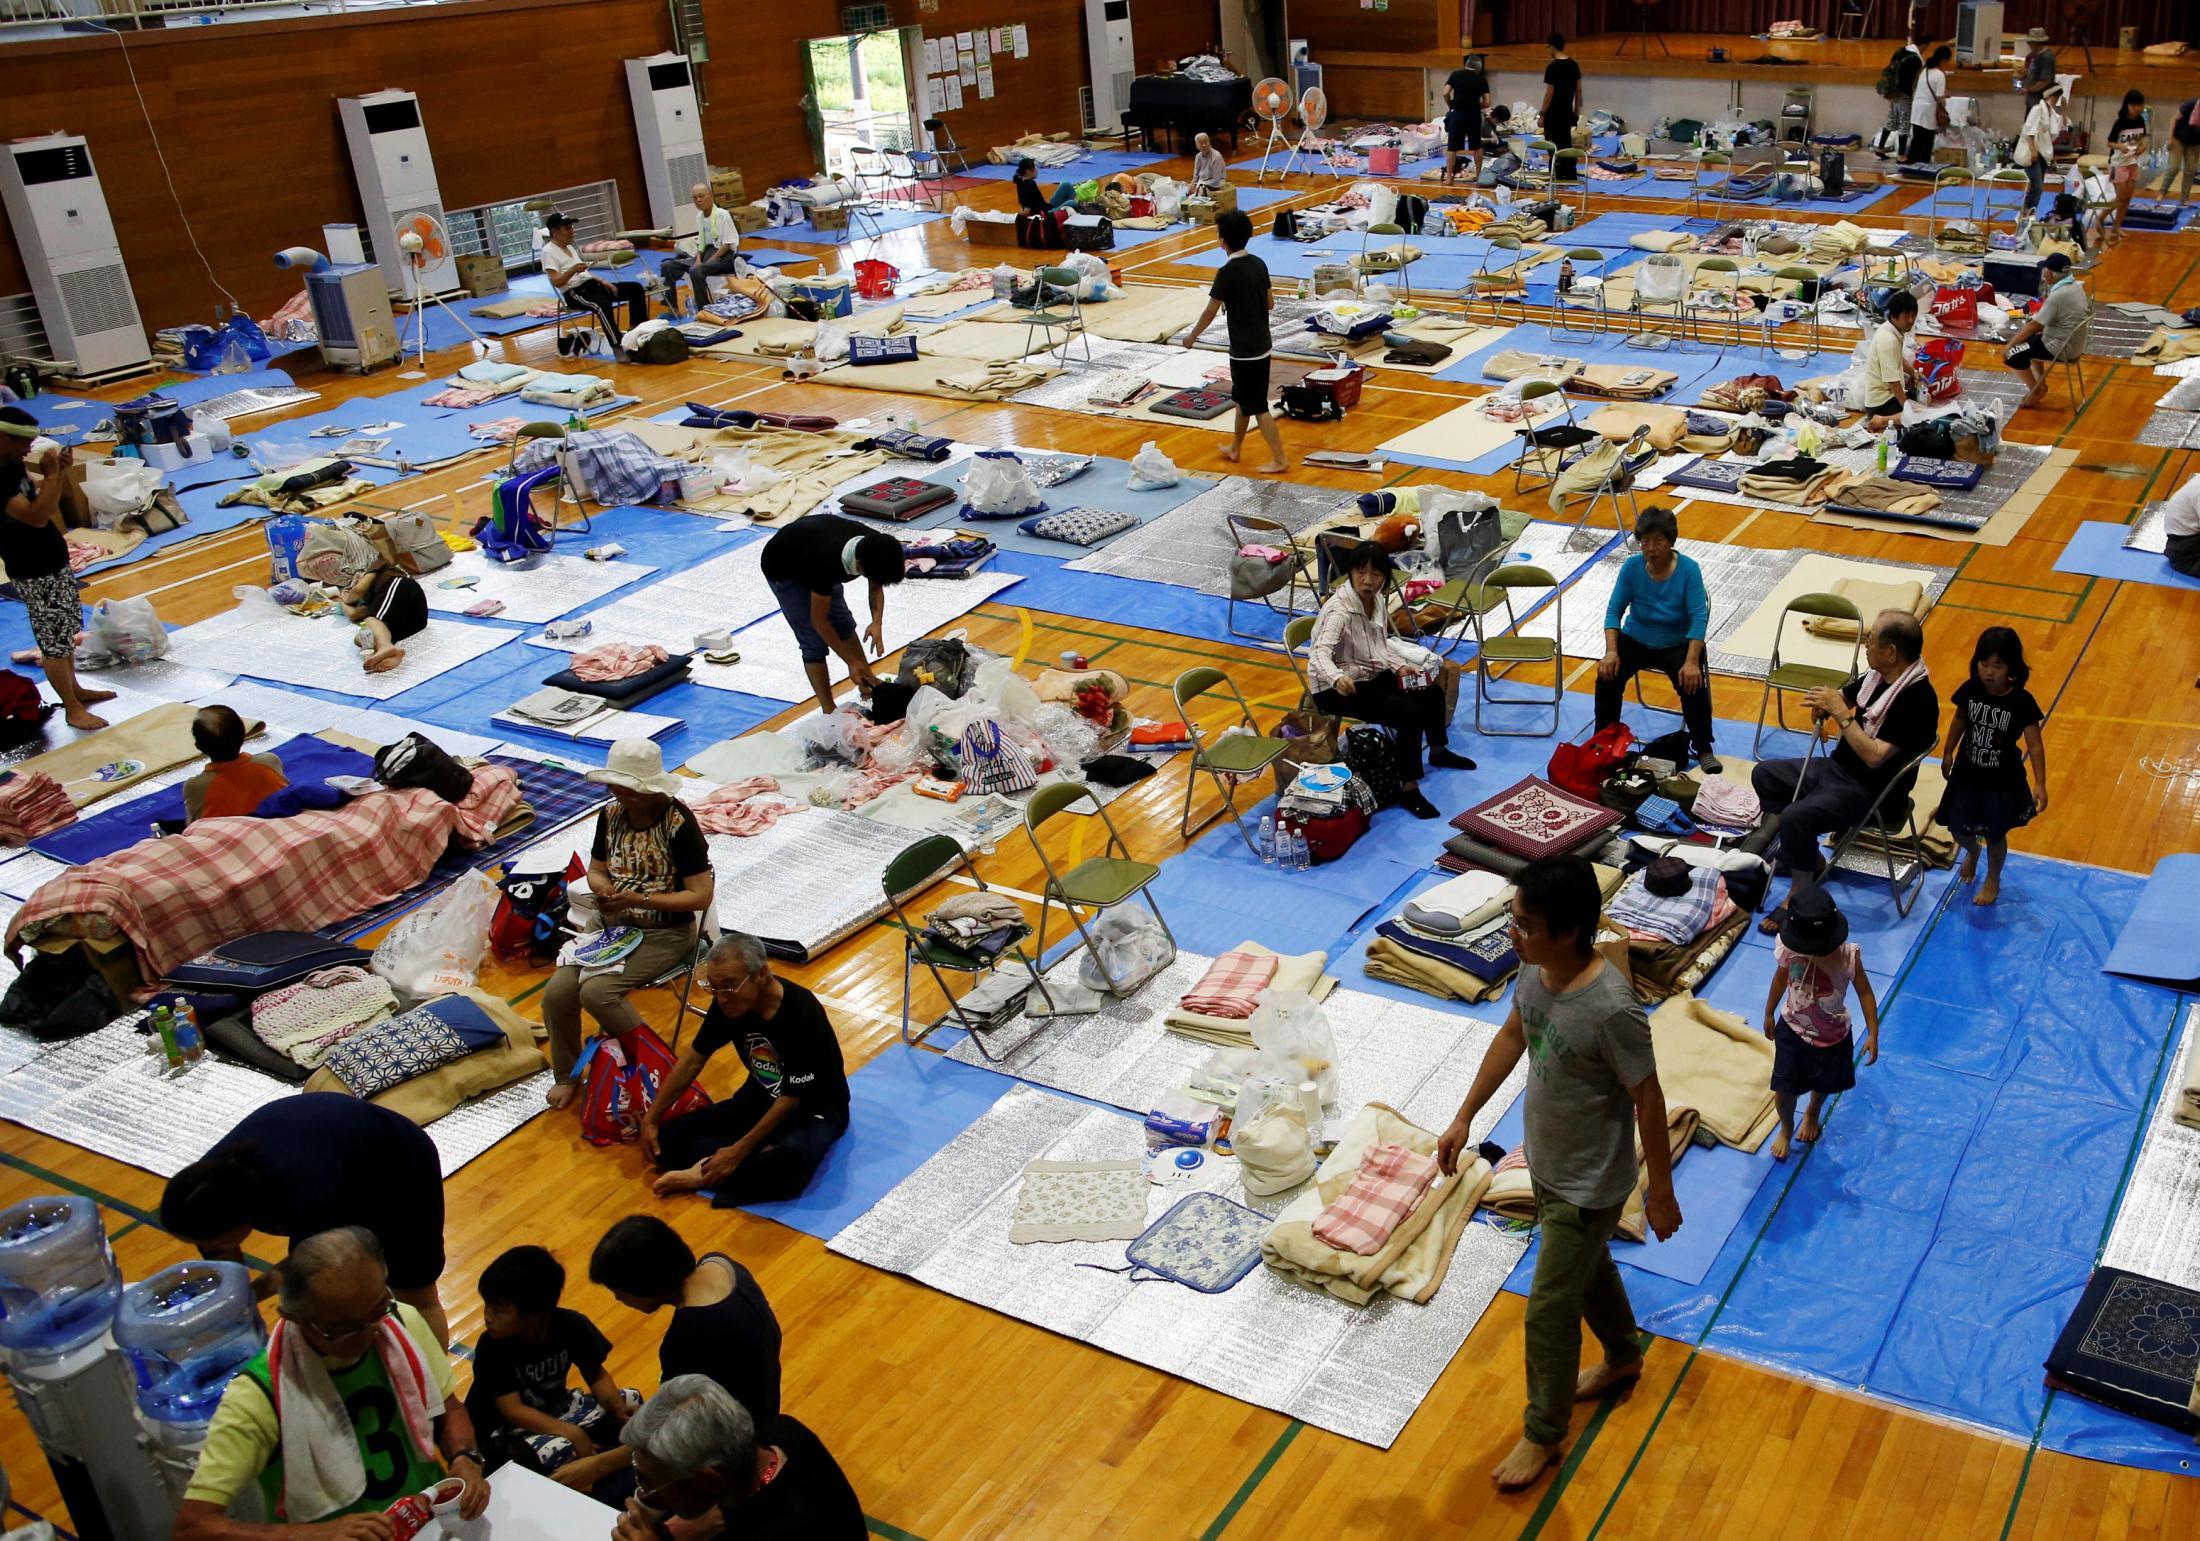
[1342,385]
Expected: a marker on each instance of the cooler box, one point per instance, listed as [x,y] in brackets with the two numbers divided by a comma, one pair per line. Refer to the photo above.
[1340,385]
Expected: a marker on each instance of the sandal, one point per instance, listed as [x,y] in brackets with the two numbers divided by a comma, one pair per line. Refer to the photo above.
[1770,925]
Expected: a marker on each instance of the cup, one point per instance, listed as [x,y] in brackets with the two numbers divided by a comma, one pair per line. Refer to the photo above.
[713,641]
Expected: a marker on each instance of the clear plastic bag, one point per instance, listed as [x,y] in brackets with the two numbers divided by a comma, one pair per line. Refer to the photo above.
[1128,948]
[1150,469]
[1290,1027]
[1068,739]
[998,485]
[115,487]
[831,737]
[121,632]
[438,948]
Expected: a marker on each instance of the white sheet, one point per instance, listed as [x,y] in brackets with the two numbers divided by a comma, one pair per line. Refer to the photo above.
[319,654]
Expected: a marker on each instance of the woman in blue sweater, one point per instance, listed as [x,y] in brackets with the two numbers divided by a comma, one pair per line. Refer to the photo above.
[1656,620]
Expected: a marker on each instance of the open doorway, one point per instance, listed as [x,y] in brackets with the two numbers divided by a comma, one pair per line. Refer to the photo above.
[861,94]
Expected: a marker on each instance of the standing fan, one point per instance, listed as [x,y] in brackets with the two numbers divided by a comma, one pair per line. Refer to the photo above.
[424,241]
[1271,104]
[1313,107]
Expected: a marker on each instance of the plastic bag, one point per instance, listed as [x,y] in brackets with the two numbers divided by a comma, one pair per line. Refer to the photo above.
[216,430]
[1168,199]
[1067,739]
[1150,469]
[115,487]
[737,471]
[1128,948]
[1289,1026]
[998,485]
[831,737]
[1273,1148]
[832,342]
[438,948]
[122,631]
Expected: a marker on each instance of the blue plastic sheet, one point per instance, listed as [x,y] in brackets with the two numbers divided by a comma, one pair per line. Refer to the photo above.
[2098,551]
[305,760]
[2160,940]
[1217,894]
[1087,167]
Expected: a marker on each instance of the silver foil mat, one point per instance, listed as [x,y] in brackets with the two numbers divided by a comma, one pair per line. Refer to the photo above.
[2166,428]
[2157,1228]
[1287,325]
[2150,531]
[246,402]
[1068,391]
[2000,388]
[1358,1371]
[1124,1054]
[2184,396]
[2114,335]
[1191,547]
[2183,369]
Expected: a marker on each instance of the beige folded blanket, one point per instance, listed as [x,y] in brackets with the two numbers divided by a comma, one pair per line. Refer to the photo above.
[1301,974]
[1389,962]
[1716,1063]
[1513,364]
[1661,240]
[1667,425]
[1869,598]
[1412,1264]
[1511,1192]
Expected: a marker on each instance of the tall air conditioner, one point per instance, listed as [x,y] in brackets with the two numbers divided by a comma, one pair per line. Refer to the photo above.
[1108,36]
[389,156]
[59,214]
[1978,32]
[670,124]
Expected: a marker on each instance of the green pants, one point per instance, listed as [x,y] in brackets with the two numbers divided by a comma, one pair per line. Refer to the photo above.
[1575,1281]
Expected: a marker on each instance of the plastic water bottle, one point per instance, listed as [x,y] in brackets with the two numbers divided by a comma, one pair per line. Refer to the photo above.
[1267,840]
[1886,445]
[1300,858]
[164,1024]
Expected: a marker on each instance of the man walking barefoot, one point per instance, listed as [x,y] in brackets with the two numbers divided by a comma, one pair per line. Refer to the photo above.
[1243,294]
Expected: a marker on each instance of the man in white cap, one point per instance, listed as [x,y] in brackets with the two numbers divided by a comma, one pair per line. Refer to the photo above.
[649,877]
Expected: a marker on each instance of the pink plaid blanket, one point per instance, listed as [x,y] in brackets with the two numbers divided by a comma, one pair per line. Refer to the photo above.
[1387,1188]
[1230,984]
[225,878]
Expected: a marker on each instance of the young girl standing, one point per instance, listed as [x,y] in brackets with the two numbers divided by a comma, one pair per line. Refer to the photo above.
[1987,796]
[2127,142]
[1814,966]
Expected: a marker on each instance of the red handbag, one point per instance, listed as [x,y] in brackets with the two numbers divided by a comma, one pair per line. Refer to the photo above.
[619,1079]
[1581,768]
[1331,835]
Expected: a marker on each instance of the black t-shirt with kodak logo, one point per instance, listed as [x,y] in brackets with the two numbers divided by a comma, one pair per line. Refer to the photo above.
[794,1053]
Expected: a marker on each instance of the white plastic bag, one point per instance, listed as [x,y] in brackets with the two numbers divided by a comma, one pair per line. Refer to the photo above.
[1168,199]
[121,632]
[215,428]
[1128,948]
[438,947]
[1290,1026]
[1150,469]
[998,485]
[1273,1148]
[115,487]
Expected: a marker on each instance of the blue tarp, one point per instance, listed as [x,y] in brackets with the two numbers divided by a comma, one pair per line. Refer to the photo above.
[2098,551]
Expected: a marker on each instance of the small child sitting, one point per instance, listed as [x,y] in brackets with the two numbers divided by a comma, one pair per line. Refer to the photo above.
[522,1407]
[389,607]
[1807,1015]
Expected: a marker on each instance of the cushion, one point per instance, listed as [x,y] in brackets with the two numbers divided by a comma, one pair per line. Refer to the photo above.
[2132,1343]
[1532,818]
[1196,404]
[436,1089]
[627,691]
[1079,526]
[264,960]
[881,350]
[1869,598]
[897,497]
[231,1038]
[1950,475]
[1661,240]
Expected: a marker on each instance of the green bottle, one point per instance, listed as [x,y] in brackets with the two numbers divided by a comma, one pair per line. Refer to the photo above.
[164,1023]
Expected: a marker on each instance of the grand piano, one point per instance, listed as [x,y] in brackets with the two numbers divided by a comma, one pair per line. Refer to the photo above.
[1186,107]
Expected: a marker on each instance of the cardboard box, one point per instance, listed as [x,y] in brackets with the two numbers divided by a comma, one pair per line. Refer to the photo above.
[728,187]
[748,218]
[990,232]
[1200,211]
[1225,198]
[829,216]
[481,274]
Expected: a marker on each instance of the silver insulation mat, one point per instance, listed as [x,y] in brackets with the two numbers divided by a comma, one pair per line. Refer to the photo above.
[2184,396]
[1191,547]
[1358,1371]
[1125,1055]
[2167,428]
[2157,1228]
[2114,335]
[262,398]
[2150,531]
[1069,391]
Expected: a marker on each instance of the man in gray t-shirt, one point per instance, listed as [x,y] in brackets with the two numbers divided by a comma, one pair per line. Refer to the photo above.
[1592,1099]
[2050,334]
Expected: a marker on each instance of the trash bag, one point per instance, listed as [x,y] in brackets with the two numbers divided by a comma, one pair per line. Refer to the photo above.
[57,996]
[998,487]
[1150,469]
[438,948]
[115,487]
[1128,948]
[1291,1026]
[122,631]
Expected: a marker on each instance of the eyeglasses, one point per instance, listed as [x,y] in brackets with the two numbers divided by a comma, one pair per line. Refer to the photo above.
[338,1332]
[736,988]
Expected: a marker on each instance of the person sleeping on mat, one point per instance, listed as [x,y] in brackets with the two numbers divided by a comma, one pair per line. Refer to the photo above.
[389,608]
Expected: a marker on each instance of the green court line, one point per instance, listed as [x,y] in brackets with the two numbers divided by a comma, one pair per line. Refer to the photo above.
[125,1230]
[81,1190]
[1253,1479]
[534,989]
[891,1532]
[1572,1463]
[2020,615]
[1078,631]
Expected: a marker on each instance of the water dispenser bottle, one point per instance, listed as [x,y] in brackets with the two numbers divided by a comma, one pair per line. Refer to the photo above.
[185,1332]
[58,1281]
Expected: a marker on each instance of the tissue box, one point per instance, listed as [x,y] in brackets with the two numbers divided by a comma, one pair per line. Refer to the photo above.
[196,449]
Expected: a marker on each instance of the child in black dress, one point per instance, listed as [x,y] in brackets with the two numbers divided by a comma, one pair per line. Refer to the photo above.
[1987,796]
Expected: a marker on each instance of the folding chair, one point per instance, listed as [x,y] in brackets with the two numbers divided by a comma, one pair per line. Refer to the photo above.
[568,489]
[1769,349]
[1947,180]
[1661,289]
[944,149]
[1402,272]
[1892,821]
[1618,483]
[910,183]
[1225,756]
[1463,601]
[1258,530]
[1746,167]
[1715,292]
[1297,634]
[1098,882]
[706,936]
[1856,18]
[1538,169]
[1509,649]
[1591,301]
[1544,447]
[1511,288]
[872,172]
[1784,679]
[915,869]
[2072,361]
[1049,316]
[1558,187]
[1982,195]
[1719,163]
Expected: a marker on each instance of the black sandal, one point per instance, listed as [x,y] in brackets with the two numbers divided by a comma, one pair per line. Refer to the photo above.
[1770,925]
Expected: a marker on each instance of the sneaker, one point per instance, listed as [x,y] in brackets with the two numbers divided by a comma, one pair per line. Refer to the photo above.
[1444,759]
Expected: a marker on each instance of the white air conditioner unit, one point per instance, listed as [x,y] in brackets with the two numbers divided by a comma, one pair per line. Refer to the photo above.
[351,311]
[670,123]
[1114,64]
[59,215]
[1978,32]
[389,156]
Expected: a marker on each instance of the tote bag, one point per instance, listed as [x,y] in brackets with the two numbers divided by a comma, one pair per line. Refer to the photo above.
[994,763]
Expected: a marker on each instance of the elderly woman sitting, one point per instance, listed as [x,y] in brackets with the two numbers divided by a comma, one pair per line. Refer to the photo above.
[1351,672]
[1657,619]
[649,869]
[698,1457]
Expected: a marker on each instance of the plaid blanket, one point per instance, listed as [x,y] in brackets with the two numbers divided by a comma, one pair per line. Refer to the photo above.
[1679,919]
[1230,984]
[1532,818]
[225,878]
[1383,1193]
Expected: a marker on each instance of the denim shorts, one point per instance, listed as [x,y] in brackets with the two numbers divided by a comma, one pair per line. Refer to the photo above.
[794,604]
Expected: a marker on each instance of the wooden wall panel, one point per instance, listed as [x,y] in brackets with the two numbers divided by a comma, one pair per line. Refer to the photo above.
[1375,91]
[1035,95]
[1340,26]
[1172,30]
[518,95]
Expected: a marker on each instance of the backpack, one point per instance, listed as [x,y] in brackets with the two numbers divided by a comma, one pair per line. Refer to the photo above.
[1308,405]
[1412,211]
[619,1079]
[23,711]
[511,532]
[664,346]
[1930,440]
[943,663]
[1582,768]
[530,915]
[416,542]
[1889,84]
[1367,751]
[59,995]
[418,761]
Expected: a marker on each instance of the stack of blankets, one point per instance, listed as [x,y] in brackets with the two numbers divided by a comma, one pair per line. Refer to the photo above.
[1836,242]
[1963,237]
[1674,943]
[1451,941]
[1798,479]
[1524,225]
[1622,382]
[32,805]
[1300,975]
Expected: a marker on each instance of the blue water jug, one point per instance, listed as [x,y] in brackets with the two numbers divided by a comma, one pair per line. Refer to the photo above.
[58,1281]
[185,1331]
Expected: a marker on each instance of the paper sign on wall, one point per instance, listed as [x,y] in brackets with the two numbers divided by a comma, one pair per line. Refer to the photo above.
[966,67]
[962,42]
[1022,38]
[985,82]
[931,56]
[954,86]
[1000,40]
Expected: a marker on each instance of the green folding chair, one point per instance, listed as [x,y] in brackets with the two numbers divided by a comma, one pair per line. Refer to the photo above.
[1064,316]
[1785,679]
[1508,649]
[1891,821]
[1586,260]
[1715,290]
[1398,250]
[1770,349]
[1545,446]
[1098,882]
[1223,756]
[911,872]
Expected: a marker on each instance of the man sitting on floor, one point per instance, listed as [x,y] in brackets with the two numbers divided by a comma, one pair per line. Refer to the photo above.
[348,1409]
[234,783]
[1885,718]
[717,252]
[766,1140]
[2051,334]
[699,1455]
[1208,170]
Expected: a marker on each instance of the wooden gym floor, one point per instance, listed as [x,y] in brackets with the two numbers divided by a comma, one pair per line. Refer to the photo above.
[954,1422]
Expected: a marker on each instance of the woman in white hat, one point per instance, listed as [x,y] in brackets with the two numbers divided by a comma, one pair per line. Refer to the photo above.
[650,870]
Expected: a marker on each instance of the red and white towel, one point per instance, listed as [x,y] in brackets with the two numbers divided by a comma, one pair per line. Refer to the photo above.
[1387,1189]
[1231,986]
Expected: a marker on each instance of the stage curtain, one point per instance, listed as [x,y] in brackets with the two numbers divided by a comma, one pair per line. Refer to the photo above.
[1528,21]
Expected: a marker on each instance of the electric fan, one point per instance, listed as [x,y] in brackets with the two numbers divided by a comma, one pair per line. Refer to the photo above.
[424,241]
[1271,104]
[1313,109]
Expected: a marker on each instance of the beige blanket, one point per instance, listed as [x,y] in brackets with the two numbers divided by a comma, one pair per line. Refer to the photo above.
[1719,1065]
[1301,974]
[810,464]
[426,1098]
[151,741]
[1387,961]
[1870,598]
[1141,313]
[1413,1263]
[1511,1192]
[1620,422]
[955,379]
